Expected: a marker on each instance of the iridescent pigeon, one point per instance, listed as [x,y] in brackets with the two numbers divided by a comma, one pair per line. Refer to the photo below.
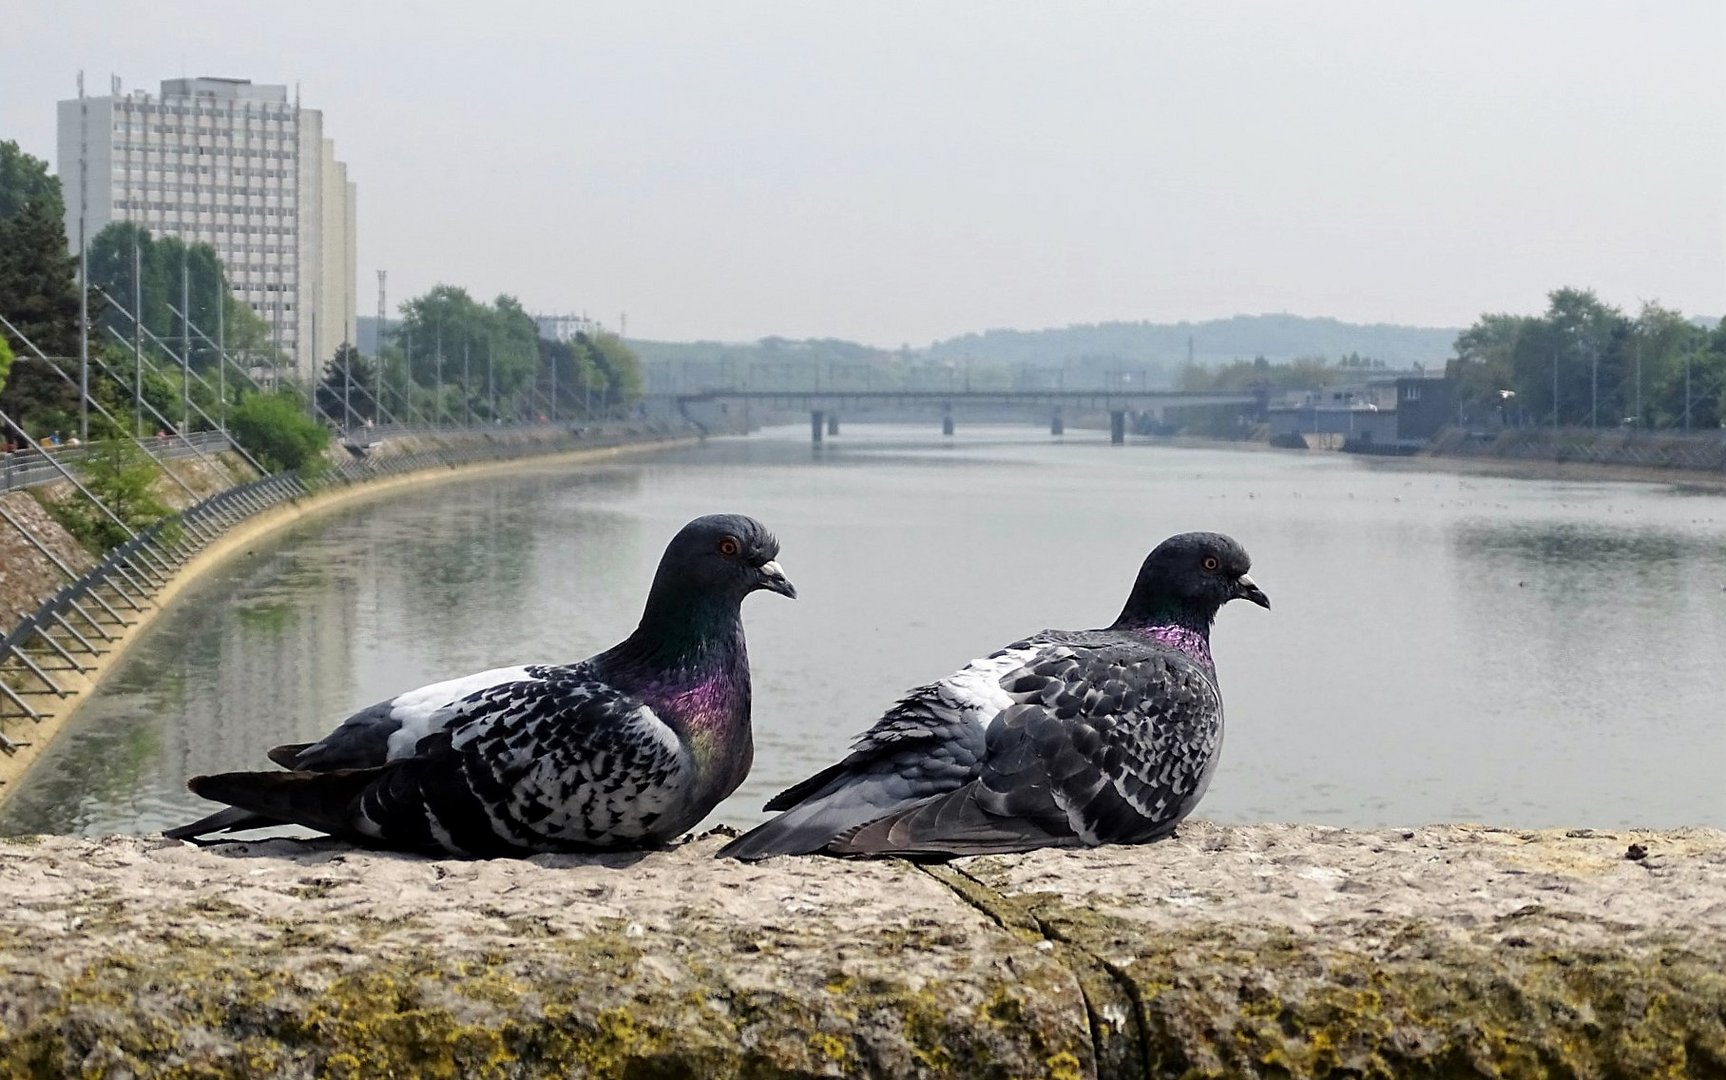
[629,748]
[1066,738]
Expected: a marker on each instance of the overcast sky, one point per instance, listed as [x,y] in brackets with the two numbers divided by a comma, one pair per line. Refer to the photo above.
[900,172]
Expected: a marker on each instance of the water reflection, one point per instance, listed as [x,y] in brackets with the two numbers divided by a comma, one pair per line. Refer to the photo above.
[1442,647]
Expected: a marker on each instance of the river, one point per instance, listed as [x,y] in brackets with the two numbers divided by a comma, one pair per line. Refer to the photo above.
[1442,647]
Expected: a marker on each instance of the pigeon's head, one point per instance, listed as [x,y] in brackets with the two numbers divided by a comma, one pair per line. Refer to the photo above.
[1198,571]
[728,554]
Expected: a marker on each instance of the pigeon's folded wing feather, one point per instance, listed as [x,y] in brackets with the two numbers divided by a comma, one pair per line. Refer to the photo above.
[1102,746]
[540,765]
[928,743]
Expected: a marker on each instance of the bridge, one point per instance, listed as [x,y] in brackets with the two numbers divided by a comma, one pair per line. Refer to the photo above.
[826,406]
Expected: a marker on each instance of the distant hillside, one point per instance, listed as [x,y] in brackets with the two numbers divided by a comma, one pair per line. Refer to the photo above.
[1243,337]
[1159,347]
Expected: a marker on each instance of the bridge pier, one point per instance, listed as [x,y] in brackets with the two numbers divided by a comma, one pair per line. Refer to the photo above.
[946,419]
[1057,425]
[832,423]
[1117,426]
[815,418]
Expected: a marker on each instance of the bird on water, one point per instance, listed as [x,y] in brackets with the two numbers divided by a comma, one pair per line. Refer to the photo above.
[628,748]
[1064,739]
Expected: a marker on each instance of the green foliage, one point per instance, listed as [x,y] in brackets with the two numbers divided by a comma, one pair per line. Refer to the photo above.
[351,372]
[1302,373]
[38,291]
[1585,362]
[155,273]
[474,351]
[274,428]
[5,359]
[123,478]
[24,178]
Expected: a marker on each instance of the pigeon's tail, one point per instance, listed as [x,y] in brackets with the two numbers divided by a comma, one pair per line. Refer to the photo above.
[228,819]
[945,827]
[319,801]
[287,755]
[810,825]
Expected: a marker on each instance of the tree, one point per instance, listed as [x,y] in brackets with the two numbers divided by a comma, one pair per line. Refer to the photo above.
[352,378]
[618,365]
[24,178]
[124,479]
[38,291]
[275,429]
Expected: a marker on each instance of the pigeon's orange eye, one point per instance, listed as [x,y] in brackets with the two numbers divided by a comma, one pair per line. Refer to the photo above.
[729,547]
[1211,562]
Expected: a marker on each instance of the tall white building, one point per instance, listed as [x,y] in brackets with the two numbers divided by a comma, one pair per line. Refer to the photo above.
[235,165]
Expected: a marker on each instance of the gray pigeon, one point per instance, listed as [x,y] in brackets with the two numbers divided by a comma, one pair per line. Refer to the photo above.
[1066,738]
[628,748]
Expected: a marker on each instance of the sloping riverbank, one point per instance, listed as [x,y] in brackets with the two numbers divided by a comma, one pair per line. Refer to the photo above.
[54,664]
[1291,951]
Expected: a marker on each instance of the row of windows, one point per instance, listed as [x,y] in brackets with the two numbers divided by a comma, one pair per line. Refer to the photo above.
[139,187]
[201,147]
[274,118]
[181,208]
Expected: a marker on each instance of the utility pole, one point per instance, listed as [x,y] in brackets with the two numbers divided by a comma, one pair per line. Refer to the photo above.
[1686,391]
[490,382]
[347,382]
[137,335]
[377,402]
[185,338]
[1639,382]
[1555,388]
[1594,388]
[83,265]
[437,411]
[222,347]
[466,384]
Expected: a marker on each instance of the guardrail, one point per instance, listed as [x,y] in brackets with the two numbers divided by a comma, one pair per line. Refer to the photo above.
[1617,446]
[84,620]
[28,466]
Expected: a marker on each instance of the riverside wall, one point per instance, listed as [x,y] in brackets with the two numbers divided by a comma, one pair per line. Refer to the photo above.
[1259,951]
[417,462]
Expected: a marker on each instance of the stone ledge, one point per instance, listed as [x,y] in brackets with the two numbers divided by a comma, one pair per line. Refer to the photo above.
[1229,951]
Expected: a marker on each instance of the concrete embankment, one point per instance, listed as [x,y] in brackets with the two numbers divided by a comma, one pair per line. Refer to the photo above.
[553,451]
[1288,951]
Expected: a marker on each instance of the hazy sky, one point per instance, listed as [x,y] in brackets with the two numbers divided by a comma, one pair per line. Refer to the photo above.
[899,172]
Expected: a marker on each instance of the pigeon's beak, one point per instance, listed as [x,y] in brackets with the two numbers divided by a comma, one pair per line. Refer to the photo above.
[1248,589]
[773,579]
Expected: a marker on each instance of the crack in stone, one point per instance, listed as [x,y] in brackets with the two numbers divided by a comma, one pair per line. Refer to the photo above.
[1015,918]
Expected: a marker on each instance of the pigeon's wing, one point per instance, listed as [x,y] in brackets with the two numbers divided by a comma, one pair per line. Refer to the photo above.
[1111,745]
[364,740]
[391,729]
[928,743]
[540,765]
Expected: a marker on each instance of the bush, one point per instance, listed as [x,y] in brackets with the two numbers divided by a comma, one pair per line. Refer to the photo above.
[275,429]
[124,479]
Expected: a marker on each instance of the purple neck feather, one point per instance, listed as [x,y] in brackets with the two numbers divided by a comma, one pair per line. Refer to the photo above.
[1182,639]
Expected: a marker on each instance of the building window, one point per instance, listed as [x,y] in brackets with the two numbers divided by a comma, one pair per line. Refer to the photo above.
[1411,392]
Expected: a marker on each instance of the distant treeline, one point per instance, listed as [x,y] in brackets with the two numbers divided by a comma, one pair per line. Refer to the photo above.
[1110,354]
[1215,341]
[1586,363]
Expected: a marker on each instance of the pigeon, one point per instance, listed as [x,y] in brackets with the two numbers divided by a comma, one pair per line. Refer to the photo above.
[626,749]
[1064,739]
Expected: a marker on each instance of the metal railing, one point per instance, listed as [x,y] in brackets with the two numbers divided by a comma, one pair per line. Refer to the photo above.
[81,622]
[1657,449]
[28,466]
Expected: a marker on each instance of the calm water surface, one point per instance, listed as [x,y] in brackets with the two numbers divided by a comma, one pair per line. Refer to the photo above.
[1442,647]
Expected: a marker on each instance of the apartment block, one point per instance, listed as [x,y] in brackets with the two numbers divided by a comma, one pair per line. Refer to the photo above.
[236,165]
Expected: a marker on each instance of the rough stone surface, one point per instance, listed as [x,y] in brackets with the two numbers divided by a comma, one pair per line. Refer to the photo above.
[1287,951]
